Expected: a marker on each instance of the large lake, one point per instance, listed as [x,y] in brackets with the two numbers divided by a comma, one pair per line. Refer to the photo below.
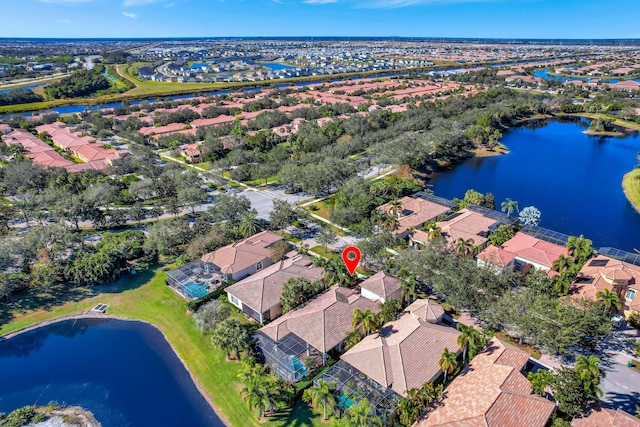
[124,372]
[575,180]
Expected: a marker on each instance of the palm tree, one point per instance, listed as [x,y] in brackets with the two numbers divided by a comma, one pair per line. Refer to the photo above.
[322,394]
[561,284]
[448,363]
[231,335]
[540,380]
[367,320]
[409,290]
[249,224]
[590,373]
[562,264]
[610,300]
[463,247]
[259,393]
[433,231]
[579,247]
[466,339]
[326,237]
[390,222]
[362,415]
[396,207]
[409,407]
[509,206]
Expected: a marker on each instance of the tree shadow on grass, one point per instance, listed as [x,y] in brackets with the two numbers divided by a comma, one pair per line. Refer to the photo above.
[31,299]
[300,415]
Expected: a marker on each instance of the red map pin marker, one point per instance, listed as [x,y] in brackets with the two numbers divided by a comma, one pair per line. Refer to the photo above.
[351,258]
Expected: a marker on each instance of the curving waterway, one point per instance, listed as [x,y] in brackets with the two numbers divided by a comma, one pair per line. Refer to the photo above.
[124,372]
[575,180]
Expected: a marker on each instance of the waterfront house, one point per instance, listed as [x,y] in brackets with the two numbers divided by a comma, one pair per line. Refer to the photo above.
[258,296]
[311,331]
[416,210]
[603,272]
[491,391]
[521,253]
[240,259]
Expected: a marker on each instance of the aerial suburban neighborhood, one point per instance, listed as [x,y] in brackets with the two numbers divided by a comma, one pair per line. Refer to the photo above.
[303,231]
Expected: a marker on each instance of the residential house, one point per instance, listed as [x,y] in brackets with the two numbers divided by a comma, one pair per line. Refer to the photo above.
[475,223]
[311,331]
[605,417]
[381,287]
[491,391]
[192,152]
[258,296]
[416,210]
[405,354]
[238,260]
[603,272]
[521,253]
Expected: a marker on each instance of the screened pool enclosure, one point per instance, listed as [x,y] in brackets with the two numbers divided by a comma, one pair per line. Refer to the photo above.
[352,386]
[195,279]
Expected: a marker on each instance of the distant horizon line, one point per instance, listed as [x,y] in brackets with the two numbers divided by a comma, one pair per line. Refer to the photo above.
[472,39]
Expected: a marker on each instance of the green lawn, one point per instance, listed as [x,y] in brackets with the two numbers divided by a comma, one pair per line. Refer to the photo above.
[329,253]
[631,187]
[146,297]
[324,208]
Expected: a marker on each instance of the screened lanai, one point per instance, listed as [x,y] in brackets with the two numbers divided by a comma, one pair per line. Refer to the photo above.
[286,358]
[195,279]
[352,386]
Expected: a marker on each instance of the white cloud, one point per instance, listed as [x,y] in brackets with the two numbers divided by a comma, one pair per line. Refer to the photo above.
[64,21]
[320,1]
[130,15]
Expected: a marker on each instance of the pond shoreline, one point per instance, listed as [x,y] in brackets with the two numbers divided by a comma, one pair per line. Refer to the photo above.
[91,315]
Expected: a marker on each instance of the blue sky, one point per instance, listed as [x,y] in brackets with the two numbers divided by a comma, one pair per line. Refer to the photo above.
[412,18]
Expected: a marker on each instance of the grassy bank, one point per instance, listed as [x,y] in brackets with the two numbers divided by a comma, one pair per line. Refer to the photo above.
[146,297]
[616,120]
[631,187]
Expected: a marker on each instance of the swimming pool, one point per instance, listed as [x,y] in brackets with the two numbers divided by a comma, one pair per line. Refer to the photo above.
[194,290]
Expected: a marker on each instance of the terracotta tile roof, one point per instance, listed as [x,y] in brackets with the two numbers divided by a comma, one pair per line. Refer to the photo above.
[324,322]
[405,354]
[383,285]
[602,272]
[261,291]
[240,255]
[525,247]
[603,417]
[497,256]
[415,211]
[488,393]
[213,121]
[426,310]
[466,224]
[171,127]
